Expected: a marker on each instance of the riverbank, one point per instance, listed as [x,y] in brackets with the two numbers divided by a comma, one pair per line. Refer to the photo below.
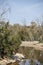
[7,61]
[34,44]
[12,61]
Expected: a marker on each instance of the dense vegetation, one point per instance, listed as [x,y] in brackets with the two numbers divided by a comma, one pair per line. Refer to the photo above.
[12,35]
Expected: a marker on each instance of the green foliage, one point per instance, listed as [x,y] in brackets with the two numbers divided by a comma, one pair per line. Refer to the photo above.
[8,43]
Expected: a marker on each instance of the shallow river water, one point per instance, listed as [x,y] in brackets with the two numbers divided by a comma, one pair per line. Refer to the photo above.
[34,57]
[30,62]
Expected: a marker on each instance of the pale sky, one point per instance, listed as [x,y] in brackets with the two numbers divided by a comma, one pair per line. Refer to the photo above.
[22,9]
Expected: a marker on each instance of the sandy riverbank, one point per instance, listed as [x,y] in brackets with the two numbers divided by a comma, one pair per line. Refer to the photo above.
[34,44]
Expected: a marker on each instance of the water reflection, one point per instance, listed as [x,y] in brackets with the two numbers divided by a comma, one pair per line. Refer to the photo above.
[34,57]
[22,63]
[30,62]
[31,53]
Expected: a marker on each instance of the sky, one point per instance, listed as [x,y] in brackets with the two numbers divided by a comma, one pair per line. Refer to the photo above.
[21,10]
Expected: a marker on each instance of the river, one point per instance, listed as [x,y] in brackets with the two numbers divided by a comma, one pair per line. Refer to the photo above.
[33,57]
[30,62]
